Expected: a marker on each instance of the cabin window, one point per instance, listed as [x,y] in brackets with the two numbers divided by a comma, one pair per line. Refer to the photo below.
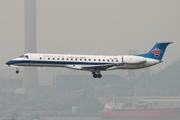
[67,59]
[94,59]
[80,59]
[112,60]
[84,59]
[76,59]
[57,58]
[71,58]
[40,58]
[62,58]
[89,59]
[48,58]
[103,59]
[53,58]
[99,60]
[116,60]
[108,60]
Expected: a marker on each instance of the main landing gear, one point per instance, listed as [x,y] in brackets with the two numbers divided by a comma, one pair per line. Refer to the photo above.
[96,75]
[17,70]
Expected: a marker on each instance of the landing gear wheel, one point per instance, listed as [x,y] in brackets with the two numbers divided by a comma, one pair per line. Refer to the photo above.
[17,70]
[99,75]
[95,75]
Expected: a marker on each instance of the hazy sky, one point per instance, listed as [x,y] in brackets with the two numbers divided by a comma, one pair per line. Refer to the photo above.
[108,27]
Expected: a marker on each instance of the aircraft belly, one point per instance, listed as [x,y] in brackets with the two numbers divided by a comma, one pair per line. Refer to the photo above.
[39,65]
[48,65]
[129,66]
[22,64]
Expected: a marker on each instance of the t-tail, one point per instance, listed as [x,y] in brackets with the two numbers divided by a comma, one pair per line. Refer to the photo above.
[157,51]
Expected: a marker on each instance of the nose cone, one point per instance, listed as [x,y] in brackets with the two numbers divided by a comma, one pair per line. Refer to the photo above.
[9,63]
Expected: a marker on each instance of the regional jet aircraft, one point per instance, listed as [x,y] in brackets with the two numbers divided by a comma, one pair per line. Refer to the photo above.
[92,63]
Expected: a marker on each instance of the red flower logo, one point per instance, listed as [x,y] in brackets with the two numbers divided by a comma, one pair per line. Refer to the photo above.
[156,52]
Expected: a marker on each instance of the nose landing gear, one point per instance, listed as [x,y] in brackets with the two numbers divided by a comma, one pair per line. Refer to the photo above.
[17,70]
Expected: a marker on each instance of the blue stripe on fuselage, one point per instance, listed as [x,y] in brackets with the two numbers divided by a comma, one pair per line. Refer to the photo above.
[18,62]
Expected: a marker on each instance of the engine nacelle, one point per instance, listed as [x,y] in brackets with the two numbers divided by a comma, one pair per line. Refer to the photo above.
[133,60]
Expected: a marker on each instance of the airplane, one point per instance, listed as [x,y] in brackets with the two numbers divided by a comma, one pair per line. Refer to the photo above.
[93,63]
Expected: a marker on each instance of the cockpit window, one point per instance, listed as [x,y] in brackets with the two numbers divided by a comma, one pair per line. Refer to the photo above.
[22,56]
[26,56]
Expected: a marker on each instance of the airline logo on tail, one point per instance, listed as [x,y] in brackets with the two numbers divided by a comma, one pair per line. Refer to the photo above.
[156,52]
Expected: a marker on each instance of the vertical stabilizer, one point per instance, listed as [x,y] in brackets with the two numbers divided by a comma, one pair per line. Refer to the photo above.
[157,51]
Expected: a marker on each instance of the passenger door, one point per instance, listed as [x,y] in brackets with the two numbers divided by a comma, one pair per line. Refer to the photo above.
[33,59]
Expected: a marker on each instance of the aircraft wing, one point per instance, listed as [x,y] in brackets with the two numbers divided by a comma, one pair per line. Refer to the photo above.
[100,67]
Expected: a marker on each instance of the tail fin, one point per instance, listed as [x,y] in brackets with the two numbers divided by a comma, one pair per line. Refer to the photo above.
[157,51]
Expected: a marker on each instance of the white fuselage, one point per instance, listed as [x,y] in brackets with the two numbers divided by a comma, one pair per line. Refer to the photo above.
[79,62]
[93,63]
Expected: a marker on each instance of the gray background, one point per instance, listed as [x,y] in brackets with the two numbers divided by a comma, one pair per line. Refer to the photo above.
[107,27]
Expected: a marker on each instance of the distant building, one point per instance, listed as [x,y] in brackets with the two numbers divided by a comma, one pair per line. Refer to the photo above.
[30,79]
[106,86]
